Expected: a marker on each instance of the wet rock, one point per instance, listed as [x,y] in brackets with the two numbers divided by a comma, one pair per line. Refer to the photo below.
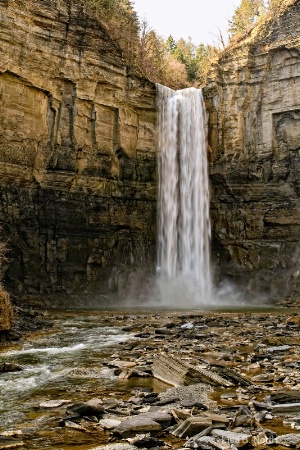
[280,348]
[190,427]
[163,331]
[136,400]
[163,418]
[54,403]
[233,376]
[243,417]
[6,314]
[142,335]
[10,367]
[285,396]
[12,433]
[288,440]
[261,405]
[293,320]
[292,422]
[135,425]
[75,426]
[109,424]
[14,336]
[85,409]
[150,399]
[286,408]
[263,377]
[167,401]
[115,447]
[7,443]
[180,414]
[261,416]
[207,443]
[187,326]
[218,418]
[192,442]
[196,392]
[141,373]
[98,403]
[171,325]
[194,404]
[173,370]
[121,364]
[148,442]
[127,328]
[230,437]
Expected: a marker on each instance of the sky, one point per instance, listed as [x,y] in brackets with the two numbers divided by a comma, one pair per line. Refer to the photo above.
[199,19]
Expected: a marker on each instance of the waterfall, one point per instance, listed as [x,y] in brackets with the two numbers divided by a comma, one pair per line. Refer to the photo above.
[183,203]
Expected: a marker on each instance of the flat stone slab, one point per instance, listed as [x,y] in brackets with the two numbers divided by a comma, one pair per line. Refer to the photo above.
[285,397]
[163,418]
[6,443]
[286,407]
[109,424]
[75,426]
[134,425]
[280,348]
[115,447]
[230,437]
[209,443]
[54,403]
[288,440]
[191,426]
[174,371]
[217,418]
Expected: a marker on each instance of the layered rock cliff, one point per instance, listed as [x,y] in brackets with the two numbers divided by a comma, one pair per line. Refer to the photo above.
[77,154]
[254,136]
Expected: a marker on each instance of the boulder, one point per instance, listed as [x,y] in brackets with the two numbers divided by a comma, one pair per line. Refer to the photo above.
[138,424]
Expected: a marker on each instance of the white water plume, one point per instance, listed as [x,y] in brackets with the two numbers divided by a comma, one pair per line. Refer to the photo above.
[183,211]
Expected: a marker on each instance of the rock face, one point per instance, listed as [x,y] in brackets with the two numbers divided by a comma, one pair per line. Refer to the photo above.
[6,314]
[77,154]
[254,136]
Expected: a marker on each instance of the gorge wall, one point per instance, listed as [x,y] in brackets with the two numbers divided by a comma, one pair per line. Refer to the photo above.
[254,136]
[77,155]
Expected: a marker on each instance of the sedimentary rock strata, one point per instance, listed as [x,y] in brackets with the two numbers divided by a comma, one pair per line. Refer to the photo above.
[6,314]
[254,137]
[77,154]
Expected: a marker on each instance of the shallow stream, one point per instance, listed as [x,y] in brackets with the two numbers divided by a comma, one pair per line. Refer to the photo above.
[73,362]
[68,362]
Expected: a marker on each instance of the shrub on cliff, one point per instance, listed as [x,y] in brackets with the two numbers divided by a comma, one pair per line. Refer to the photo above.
[180,65]
[245,16]
[6,311]
[122,22]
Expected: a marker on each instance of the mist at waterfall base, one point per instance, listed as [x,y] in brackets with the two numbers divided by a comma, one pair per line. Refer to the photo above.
[184,274]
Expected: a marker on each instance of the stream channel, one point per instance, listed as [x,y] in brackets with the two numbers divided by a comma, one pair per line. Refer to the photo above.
[66,362]
[72,361]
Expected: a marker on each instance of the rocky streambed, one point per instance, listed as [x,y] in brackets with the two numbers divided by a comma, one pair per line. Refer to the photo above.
[200,379]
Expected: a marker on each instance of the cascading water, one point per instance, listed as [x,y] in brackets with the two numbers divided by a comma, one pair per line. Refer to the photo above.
[183,211]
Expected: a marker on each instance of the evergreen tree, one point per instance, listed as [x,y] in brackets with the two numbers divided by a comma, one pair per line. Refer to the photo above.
[245,16]
[177,64]
[171,44]
[185,52]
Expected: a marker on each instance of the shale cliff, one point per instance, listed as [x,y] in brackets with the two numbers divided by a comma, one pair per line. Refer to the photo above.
[253,100]
[77,154]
